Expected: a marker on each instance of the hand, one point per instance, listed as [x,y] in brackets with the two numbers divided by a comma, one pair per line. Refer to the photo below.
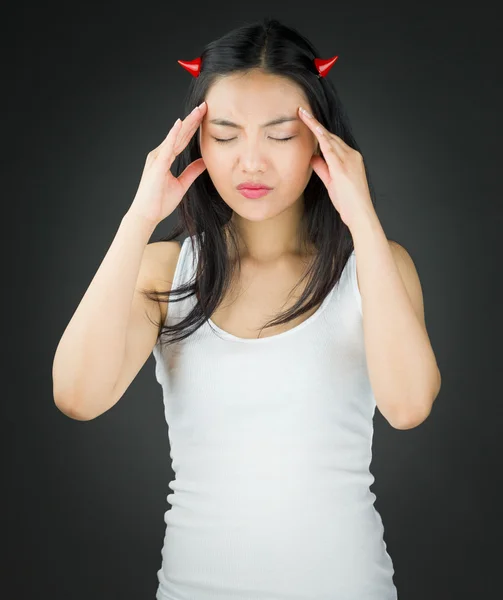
[159,192]
[342,171]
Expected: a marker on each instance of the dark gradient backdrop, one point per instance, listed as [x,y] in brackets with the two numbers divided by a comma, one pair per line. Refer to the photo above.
[90,92]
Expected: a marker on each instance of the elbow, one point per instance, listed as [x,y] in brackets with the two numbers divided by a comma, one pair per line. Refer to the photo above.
[69,409]
[413,417]
[409,421]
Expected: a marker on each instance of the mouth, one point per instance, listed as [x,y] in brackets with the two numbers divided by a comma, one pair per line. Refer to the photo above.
[250,185]
[253,192]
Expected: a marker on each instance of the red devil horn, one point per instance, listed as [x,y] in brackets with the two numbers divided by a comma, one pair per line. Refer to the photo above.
[192,66]
[324,65]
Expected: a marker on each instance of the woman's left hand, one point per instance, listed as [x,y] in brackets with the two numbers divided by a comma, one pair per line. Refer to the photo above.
[342,171]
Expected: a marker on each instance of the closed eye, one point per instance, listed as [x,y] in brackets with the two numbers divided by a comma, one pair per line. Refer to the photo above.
[275,139]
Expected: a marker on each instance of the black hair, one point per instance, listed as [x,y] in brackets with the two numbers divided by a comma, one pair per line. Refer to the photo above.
[272,48]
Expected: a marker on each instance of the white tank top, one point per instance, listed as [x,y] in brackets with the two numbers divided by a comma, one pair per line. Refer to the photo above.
[271,443]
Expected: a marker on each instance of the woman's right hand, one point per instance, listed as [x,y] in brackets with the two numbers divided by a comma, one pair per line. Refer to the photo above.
[159,192]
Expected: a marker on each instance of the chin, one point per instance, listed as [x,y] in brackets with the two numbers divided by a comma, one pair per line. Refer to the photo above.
[260,211]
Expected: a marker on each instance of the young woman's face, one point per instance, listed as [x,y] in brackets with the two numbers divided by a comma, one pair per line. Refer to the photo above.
[253,151]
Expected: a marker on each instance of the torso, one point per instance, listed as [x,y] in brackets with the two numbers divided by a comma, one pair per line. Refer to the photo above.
[260,295]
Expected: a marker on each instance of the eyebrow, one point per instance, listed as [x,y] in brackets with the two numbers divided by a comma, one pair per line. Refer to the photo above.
[277,121]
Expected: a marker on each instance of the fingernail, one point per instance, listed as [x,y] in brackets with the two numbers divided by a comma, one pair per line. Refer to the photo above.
[308,114]
[202,104]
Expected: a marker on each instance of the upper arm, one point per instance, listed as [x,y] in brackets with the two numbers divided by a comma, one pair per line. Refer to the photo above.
[156,273]
[410,278]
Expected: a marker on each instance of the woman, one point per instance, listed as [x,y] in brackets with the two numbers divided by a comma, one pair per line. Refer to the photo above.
[270,433]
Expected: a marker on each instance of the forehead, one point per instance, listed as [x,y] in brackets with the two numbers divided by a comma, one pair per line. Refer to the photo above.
[253,95]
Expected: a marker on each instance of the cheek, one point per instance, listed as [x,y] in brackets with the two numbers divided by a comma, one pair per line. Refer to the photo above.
[215,163]
[297,168]
[218,169]
[297,160]
[209,154]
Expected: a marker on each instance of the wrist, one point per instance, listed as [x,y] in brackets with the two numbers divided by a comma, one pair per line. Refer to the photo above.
[138,225]
[140,220]
[367,224]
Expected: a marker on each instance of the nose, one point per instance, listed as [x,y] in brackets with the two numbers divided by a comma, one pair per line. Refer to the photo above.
[252,157]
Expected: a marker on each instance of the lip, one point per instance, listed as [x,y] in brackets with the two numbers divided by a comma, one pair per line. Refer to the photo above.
[254,192]
[249,185]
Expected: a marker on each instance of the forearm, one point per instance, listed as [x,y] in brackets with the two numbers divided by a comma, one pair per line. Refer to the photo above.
[90,353]
[402,367]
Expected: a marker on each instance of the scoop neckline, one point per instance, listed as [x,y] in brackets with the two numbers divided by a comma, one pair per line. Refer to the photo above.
[313,317]
[234,338]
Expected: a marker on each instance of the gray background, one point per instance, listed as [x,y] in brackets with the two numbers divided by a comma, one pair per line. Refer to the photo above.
[90,92]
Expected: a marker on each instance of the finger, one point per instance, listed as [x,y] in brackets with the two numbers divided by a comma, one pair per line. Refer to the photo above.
[191,173]
[173,132]
[177,138]
[189,126]
[324,137]
[329,146]
[167,141]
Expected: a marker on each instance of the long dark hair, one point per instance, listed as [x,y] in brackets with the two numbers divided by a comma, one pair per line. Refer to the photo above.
[273,48]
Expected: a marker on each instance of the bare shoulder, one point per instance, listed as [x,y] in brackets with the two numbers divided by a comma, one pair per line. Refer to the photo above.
[158,269]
